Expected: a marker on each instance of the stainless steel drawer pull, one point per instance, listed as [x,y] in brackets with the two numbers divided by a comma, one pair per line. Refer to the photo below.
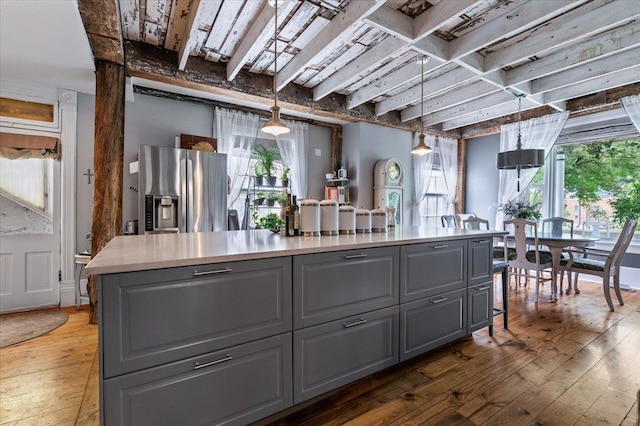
[440,247]
[486,287]
[217,271]
[354,256]
[442,299]
[481,241]
[362,321]
[197,365]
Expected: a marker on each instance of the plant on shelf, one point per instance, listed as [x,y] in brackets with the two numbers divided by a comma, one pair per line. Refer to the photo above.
[521,210]
[266,157]
[271,199]
[284,177]
[282,199]
[258,172]
[260,196]
[270,221]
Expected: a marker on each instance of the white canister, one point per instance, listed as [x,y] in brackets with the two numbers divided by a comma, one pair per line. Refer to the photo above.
[310,218]
[363,221]
[378,220]
[328,217]
[347,220]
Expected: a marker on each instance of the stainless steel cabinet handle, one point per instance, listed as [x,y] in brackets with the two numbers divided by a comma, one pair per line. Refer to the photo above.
[197,365]
[486,287]
[361,321]
[440,247]
[481,241]
[442,299]
[217,271]
[354,256]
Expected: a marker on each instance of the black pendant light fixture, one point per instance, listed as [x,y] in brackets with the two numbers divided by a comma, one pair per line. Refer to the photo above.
[421,148]
[519,158]
[275,126]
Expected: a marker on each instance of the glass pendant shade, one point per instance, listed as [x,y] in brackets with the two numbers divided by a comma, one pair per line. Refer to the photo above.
[421,148]
[275,126]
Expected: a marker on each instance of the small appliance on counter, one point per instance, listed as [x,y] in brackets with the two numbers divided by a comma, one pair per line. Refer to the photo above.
[310,218]
[328,217]
[363,221]
[378,220]
[347,220]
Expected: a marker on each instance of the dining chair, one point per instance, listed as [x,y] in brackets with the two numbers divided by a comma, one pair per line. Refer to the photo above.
[475,223]
[526,258]
[461,217]
[555,226]
[607,268]
[449,221]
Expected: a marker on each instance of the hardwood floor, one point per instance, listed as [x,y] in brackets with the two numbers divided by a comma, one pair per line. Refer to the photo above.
[573,362]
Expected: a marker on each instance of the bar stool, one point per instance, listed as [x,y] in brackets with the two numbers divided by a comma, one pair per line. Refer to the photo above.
[81,261]
[501,267]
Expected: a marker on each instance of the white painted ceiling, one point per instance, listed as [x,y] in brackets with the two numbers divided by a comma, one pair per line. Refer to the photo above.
[44,42]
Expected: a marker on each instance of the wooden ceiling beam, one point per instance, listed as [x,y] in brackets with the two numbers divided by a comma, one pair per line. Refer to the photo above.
[189,35]
[101,20]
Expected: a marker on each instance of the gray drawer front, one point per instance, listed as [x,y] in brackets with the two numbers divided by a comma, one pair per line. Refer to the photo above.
[480,306]
[251,381]
[154,317]
[334,354]
[330,286]
[431,322]
[433,268]
[480,261]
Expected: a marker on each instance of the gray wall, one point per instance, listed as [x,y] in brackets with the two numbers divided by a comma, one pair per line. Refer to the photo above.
[156,121]
[363,145]
[482,177]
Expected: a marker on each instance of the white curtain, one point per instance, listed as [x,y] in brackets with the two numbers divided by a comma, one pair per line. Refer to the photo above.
[236,133]
[422,167]
[631,105]
[293,150]
[537,133]
[449,161]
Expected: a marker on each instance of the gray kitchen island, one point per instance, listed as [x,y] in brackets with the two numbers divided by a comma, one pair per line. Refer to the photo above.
[231,327]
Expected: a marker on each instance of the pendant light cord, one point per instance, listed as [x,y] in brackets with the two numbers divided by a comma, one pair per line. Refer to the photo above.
[275,61]
[422,96]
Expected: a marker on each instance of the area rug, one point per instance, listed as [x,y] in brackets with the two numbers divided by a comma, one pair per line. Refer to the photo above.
[21,326]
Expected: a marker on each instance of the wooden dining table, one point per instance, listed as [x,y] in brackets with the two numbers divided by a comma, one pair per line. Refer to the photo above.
[557,243]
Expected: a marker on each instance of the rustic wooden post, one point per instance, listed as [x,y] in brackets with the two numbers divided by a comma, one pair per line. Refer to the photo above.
[336,147]
[108,162]
[461,187]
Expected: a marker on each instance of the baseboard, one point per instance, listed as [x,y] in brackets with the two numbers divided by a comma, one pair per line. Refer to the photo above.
[629,278]
[67,293]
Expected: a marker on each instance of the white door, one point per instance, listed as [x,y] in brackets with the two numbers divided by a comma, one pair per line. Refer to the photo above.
[29,234]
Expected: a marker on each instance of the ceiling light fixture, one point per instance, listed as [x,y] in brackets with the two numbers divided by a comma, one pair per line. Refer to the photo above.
[421,148]
[519,158]
[275,126]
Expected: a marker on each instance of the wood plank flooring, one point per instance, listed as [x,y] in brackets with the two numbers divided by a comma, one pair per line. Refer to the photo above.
[573,362]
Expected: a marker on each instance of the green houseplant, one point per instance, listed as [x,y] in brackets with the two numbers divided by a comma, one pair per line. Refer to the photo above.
[260,196]
[270,221]
[266,157]
[271,199]
[284,177]
[258,172]
[521,210]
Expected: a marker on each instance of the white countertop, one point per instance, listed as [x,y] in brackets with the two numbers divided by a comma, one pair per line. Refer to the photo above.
[143,252]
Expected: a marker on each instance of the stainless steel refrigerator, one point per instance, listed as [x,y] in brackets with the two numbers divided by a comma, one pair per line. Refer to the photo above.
[181,190]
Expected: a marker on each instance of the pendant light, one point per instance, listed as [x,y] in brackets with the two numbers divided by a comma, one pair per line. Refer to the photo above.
[421,148]
[519,158]
[275,126]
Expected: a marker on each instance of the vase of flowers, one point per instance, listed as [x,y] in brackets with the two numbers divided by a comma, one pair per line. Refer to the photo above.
[521,210]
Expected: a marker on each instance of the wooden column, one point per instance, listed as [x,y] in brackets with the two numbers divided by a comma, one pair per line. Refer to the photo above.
[108,160]
[461,187]
[336,147]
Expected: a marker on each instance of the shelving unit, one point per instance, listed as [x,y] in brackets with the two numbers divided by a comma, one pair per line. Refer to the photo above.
[262,209]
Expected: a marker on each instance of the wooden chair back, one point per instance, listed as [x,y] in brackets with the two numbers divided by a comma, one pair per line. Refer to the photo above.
[475,223]
[555,225]
[616,254]
[519,230]
[448,221]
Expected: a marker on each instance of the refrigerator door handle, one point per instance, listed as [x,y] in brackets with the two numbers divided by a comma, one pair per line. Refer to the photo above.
[190,195]
[183,195]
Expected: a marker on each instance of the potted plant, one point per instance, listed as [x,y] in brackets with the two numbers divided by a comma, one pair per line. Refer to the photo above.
[282,199]
[284,177]
[259,198]
[270,221]
[258,172]
[271,199]
[521,210]
[266,156]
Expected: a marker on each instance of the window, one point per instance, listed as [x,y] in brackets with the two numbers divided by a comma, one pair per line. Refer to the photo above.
[435,202]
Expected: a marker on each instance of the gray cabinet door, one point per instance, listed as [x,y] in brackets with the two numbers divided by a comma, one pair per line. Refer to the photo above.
[480,261]
[432,268]
[328,286]
[330,355]
[480,306]
[154,317]
[231,387]
[428,323]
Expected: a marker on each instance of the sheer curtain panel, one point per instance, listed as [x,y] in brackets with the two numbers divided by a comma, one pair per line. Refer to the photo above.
[236,133]
[293,150]
[537,133]
[422,167]
[449,161]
